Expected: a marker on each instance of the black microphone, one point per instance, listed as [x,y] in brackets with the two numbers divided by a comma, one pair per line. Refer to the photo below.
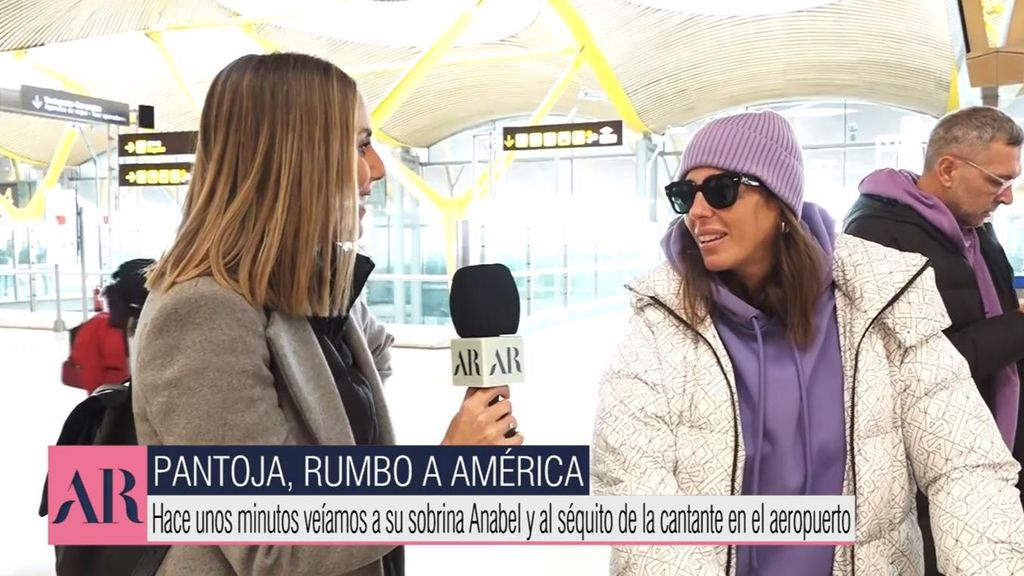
[484,305]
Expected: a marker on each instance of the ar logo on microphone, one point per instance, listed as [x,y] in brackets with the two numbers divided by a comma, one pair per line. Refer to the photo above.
[82,498]
[468,363]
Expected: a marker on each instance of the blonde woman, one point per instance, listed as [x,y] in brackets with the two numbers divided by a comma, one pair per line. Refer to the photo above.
[253,333]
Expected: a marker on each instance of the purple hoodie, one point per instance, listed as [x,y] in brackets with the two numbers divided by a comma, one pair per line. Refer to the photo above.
[785,393]
[901,186]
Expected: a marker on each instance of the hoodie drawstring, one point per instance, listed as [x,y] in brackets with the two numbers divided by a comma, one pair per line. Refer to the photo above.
[761,417]
[761,409]
[802,384]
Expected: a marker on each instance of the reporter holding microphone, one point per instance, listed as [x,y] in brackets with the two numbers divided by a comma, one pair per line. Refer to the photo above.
[253,332]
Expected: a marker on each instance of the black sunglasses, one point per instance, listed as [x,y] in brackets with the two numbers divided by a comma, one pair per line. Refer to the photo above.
[720,191]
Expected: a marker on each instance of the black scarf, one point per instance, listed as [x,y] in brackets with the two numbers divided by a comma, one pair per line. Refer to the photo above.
[353,387]
[355,391]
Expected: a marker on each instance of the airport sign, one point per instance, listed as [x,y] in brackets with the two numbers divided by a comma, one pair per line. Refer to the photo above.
[555,136]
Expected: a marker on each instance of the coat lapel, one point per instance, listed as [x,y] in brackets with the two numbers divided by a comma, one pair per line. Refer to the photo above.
[301,365]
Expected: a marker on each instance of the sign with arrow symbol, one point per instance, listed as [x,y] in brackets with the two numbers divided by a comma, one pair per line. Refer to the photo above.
[167,174]
[75,107]
[157,144]
[553,136]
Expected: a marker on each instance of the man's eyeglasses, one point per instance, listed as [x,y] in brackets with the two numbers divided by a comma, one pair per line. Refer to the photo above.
[720,191]
[1003,183]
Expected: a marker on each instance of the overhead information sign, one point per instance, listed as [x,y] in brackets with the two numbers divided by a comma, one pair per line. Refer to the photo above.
[166,174]
[68,106]
[157,144]
[546,137]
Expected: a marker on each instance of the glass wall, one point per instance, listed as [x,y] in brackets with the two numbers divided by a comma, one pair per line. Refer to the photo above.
[569,224]
[115,224]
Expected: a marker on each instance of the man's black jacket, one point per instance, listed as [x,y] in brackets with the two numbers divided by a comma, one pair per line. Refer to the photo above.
[988,344]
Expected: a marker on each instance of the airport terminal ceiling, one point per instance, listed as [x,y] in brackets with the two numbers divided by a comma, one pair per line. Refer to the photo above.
[674,64]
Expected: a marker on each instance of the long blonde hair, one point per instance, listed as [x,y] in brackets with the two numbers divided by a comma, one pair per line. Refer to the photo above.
[273,190]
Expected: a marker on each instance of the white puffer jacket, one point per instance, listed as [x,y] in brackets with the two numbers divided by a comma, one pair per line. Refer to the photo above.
[668,423]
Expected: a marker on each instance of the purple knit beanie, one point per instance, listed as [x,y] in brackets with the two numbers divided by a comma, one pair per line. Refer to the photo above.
[758,144]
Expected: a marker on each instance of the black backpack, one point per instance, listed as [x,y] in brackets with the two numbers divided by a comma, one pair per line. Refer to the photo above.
[104,418]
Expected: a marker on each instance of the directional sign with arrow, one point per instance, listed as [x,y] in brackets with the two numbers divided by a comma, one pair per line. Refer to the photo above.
[157,144]
[168,174]
[546,137]
[75,107]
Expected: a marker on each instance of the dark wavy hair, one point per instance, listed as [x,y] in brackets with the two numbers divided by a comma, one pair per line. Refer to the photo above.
[789,293]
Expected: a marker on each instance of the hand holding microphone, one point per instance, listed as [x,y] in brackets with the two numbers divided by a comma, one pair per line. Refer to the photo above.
[485,417]
[487,356]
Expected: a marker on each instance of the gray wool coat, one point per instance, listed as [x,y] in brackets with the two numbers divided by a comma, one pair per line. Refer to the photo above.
[211,369]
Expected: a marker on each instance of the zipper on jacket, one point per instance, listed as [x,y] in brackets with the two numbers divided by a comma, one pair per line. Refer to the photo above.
[853,396]
[732,400]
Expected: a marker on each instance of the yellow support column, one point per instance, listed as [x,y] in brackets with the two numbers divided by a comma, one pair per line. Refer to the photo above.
[599,64]
[67,82]
[268,45]
[388,140]
[35,209]
[173,68]
[482,187]
[19,158]
[394,99]
[423,191]
[454,209]
[541,112]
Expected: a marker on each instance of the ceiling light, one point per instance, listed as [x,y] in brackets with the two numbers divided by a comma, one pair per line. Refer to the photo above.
[733,7]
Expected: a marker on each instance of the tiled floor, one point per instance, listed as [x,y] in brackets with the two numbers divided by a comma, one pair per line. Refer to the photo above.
[556,406]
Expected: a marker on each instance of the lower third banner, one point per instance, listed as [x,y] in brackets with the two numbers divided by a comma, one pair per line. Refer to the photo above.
[397,495]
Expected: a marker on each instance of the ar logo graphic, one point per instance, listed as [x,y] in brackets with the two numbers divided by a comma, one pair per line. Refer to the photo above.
[504,364]
[82,498]
[97,495]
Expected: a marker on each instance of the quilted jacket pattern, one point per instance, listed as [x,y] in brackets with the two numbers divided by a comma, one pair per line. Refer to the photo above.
[668,423]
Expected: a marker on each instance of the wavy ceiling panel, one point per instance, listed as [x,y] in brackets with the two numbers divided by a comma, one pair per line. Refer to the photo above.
[675,67]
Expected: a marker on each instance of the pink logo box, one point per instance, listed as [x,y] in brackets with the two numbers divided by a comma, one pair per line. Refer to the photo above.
[97,495]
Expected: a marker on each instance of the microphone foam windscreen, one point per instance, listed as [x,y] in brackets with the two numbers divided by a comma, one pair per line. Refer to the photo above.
[484,301]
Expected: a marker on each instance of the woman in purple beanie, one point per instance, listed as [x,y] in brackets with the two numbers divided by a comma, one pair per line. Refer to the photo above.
[770,357]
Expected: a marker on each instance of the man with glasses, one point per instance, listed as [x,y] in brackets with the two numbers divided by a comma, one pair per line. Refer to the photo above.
[971,162]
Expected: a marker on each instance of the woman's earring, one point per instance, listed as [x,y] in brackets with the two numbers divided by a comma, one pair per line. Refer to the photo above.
[783,226]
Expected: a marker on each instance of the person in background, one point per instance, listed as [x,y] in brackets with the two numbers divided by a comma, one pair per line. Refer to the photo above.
[126,296]
[99,356]
[253,332]
[770,357]
[972,159]
[99,348]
